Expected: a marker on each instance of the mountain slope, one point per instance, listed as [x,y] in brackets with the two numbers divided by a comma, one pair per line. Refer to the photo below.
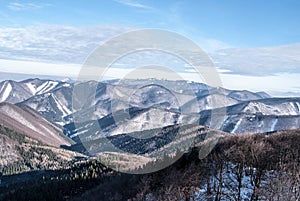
[21,153]
[57,105]
[54,105]
[151,143]
[127,121]
[258,116]
[8,153]
[14,92]
[31,124]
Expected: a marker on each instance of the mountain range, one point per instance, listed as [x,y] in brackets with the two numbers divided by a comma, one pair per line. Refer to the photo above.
[137,126]
[44,109]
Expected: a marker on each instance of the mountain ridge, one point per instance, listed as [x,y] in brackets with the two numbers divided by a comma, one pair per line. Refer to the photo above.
[55,100]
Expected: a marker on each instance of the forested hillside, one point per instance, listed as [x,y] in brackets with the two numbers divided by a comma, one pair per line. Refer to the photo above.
[240,167]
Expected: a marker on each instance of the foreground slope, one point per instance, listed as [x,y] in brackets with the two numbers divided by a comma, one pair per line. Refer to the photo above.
[21,153]
[30,123]
[239,167]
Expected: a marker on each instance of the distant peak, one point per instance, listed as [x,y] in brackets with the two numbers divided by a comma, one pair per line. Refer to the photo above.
[67,80]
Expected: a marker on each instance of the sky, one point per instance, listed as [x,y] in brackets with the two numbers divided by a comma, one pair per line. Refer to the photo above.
[254,44]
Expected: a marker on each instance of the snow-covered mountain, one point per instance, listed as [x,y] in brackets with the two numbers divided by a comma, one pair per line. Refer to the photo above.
[159,103]
[151,141]
[127,121]
[14,92]
[258,116]
[55,103]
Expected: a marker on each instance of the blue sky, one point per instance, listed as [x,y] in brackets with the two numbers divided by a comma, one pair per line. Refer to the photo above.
[234,22]
[255,44]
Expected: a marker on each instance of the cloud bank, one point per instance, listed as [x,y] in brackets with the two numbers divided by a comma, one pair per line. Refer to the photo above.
[67,44]
[61,50]
[264,61]
[50,43]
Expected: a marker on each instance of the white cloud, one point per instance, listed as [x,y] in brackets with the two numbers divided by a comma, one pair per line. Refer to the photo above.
[60,51]
[211,45]
[263,61]
[68,44]
[54,43]
[17,6]
[39,68]
[134,4]
[276,85]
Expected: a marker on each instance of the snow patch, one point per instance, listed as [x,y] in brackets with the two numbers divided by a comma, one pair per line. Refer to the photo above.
[5,90]
[237,125]
[47,86]
[286,108]
[43,88]
[78,133]
[275,121]
[60,123]
[31,87]
[298,106]
[61,106]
